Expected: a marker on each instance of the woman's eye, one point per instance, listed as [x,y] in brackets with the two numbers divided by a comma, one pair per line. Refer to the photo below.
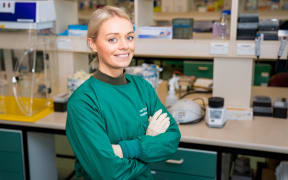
[130,38]
[112,40]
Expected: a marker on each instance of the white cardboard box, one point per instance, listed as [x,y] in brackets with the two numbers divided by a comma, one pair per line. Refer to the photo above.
[167,5]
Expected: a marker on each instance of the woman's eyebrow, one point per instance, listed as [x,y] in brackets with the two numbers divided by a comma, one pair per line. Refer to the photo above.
[111,34]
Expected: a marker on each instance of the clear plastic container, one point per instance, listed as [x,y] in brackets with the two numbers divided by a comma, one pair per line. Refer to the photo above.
[223,27]
[25,83]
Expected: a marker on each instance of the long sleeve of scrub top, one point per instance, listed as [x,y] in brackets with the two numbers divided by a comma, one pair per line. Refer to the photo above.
[86,132]
[160,147]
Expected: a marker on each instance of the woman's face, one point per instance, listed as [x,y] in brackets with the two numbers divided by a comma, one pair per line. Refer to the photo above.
[115,44]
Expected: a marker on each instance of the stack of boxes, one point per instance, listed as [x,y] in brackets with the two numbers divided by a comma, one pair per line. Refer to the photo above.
[268,28]
[247,26]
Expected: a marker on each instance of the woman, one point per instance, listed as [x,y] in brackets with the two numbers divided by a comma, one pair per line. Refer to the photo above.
[115,122]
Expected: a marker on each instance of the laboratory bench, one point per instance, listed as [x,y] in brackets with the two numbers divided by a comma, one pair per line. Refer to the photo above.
[199,152]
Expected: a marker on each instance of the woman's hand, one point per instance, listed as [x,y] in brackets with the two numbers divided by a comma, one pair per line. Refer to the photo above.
[158,123]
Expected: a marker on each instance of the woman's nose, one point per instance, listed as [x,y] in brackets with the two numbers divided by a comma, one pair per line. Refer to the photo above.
[123,44]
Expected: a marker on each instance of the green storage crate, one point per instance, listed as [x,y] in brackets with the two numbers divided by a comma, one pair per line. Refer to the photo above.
[188,162]
[262,74]
[200,69]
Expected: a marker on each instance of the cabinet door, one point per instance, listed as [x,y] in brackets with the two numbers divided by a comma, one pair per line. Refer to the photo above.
[190,162]
[162,175]
[11,155]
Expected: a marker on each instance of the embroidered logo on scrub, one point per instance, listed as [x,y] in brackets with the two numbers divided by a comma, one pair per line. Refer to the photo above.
[143,111]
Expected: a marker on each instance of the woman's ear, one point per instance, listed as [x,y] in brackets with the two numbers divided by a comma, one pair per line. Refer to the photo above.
[92,44]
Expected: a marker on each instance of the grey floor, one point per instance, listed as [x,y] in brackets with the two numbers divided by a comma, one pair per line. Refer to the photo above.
[64,166]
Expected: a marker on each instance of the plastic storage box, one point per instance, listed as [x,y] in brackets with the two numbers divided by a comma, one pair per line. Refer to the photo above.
[262,74]
[199,69]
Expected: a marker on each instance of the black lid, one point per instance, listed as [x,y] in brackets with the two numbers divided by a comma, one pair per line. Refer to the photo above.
[216,102]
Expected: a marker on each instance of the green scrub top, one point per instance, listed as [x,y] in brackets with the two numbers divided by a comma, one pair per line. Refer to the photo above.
[100,114]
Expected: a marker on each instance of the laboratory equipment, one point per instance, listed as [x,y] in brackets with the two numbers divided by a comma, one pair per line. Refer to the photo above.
[172,98]
[268,28]
[29,84]
[268,25]
[149,72]
[258,45]
[247,26]
[223,25]
[262,106]
[221,28]
[16,14]
[283,42]
[182,28]
[215,112]
[28,98]
[60,102]
[187,111]
[280,108]
[247,31]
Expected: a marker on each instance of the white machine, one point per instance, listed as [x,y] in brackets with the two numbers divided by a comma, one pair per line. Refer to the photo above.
[16,14]
[187,111]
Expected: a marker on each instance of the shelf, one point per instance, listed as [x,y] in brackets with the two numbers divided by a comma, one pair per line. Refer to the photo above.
[199,47]
[60,43]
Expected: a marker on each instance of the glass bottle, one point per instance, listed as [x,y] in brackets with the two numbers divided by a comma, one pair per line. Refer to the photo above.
[223,26]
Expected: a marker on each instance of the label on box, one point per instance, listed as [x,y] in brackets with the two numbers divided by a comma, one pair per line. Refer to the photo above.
[219,48]
[150,32]
[245,49]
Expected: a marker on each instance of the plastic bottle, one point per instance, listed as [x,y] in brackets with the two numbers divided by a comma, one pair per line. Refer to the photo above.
[223,25]
[172,98]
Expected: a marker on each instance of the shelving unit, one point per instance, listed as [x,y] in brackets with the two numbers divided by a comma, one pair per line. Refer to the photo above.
[68,50]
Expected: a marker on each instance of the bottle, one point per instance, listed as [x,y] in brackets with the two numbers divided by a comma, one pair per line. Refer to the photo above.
[222,31]
[172,98]
[215,112]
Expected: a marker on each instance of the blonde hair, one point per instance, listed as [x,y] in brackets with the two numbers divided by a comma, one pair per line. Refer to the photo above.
[99,16]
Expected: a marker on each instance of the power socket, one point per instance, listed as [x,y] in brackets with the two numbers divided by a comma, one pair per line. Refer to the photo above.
[7,6]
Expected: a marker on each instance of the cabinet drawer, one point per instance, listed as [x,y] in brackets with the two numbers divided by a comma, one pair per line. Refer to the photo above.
[10,140]
[262,74]
[199,69]
[12,161]
[162,175]
[191,162]
[14,176]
